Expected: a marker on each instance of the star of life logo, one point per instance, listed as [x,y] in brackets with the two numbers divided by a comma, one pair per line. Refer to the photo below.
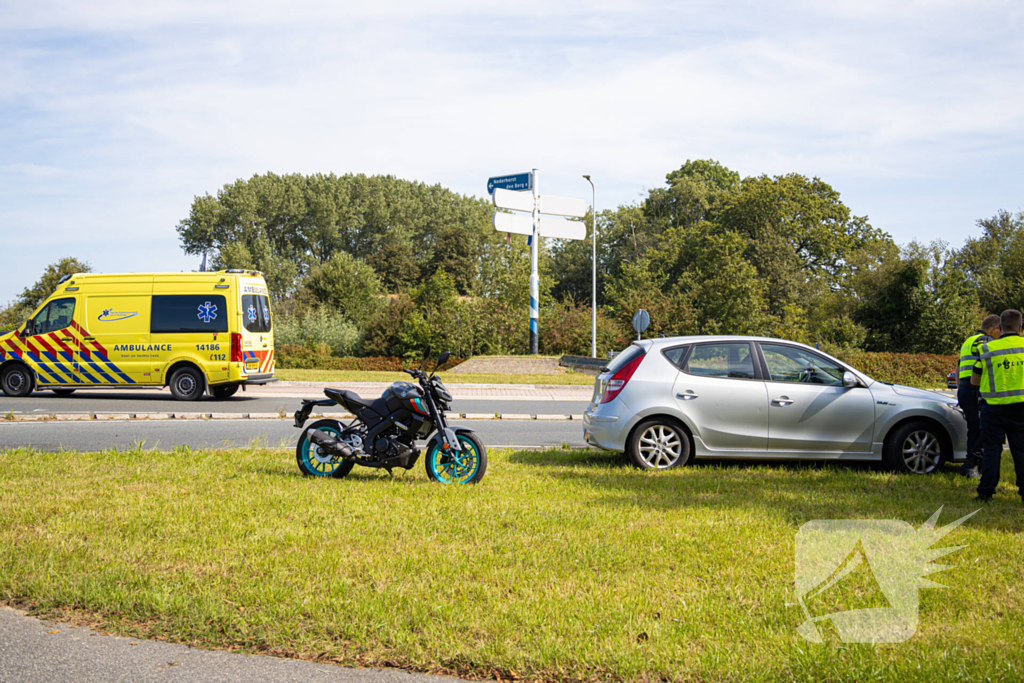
[207,312]
[875,568]
[252,314]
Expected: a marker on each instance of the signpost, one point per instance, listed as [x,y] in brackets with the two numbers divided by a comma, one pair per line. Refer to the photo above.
[510,192]
[641,321]
[517,182]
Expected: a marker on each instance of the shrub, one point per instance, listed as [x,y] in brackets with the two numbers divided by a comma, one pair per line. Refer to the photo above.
[320,326]
[320,358]
[913,369]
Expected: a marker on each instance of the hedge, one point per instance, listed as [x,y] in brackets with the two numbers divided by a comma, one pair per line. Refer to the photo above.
[321,358]
[923,370]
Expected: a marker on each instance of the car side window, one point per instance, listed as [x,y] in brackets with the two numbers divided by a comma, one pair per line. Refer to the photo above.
[676,354]
[792,364]
[56,316]
[732,360]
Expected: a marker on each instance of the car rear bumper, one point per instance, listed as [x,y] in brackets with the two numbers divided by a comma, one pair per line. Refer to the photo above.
[604,431]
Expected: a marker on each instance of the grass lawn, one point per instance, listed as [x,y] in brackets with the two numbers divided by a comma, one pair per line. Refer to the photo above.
[562,565]
[300,375]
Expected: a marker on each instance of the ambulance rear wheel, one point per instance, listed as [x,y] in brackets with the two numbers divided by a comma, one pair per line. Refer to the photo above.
[63,392]
[16,380]
[186,384]
[224,391]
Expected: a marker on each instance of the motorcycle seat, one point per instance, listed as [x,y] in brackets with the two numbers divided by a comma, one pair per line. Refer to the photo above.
[354,401]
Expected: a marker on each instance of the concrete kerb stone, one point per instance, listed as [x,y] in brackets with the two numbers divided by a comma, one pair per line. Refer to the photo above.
[113,417]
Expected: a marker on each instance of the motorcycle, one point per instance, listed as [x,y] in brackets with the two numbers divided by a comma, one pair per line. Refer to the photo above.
[385,430]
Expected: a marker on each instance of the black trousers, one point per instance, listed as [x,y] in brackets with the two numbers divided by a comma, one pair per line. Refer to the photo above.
[1001,423]
[969,397]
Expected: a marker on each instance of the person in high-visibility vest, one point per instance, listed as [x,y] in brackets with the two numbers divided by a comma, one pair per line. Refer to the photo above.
[967,393]
[999,375]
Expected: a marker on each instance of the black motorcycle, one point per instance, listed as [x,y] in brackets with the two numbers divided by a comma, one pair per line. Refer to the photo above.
[384,432]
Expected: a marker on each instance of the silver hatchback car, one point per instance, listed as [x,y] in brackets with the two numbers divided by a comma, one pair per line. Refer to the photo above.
[664,401]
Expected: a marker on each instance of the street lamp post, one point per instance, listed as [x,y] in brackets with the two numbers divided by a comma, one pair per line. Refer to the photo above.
[593,294]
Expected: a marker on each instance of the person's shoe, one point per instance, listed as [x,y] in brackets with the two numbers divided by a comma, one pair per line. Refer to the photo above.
[983,499]
[970,469]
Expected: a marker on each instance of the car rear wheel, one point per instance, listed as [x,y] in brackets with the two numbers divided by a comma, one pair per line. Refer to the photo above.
[186,384]
[659,444]
[16,380]
[916,448]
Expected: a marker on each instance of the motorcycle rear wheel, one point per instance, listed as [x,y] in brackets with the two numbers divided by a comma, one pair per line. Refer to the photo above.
[312,461]
[466,467]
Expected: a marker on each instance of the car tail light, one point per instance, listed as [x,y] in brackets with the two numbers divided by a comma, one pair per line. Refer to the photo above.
[236,347]
[618,381]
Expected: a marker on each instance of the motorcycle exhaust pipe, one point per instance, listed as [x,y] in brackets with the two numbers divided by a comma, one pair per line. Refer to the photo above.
[331,444]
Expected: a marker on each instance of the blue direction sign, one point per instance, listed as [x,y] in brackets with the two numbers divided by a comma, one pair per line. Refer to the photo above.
[517,181]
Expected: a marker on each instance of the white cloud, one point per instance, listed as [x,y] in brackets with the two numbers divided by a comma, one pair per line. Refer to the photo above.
[114,114]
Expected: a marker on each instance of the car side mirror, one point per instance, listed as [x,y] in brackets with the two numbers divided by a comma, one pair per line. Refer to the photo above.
[24,331]
[850,380]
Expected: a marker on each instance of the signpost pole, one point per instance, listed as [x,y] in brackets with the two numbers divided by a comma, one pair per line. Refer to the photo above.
[593,295]
[534,277]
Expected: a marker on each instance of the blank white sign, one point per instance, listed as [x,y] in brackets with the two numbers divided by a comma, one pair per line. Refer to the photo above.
[517,201]
[510,222]
[562,206]
[563,230]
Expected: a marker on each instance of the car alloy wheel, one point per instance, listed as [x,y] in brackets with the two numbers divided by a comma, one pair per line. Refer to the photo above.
[660,446]
[921,452]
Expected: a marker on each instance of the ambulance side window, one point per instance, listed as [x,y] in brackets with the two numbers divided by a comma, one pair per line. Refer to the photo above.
[56,316]
[183,313]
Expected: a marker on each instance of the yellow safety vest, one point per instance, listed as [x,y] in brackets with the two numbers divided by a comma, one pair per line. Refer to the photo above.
[969,353]
[1002,370]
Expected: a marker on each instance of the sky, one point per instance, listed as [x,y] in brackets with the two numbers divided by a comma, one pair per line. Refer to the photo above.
[115,114]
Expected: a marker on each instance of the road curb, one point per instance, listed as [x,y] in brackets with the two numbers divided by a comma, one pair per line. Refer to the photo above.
[131,417]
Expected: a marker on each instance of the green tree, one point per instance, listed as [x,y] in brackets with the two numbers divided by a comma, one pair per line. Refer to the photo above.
[799,234]
[348,285]
[994,262]
[26,303]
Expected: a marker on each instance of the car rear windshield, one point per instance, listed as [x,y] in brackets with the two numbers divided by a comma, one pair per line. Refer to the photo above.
[256,312]
[181,313]
[624,357]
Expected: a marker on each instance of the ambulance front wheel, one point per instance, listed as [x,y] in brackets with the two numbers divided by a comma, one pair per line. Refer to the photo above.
[16,380]
[187,384]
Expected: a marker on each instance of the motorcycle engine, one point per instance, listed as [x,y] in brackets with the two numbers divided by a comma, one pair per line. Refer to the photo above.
[390,447]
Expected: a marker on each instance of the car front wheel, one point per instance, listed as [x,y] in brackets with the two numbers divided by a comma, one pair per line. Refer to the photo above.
[916,448]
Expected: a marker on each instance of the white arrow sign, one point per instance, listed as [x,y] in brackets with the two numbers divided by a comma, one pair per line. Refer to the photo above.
[547,227]
[509,199]
[562,206]
[555,206]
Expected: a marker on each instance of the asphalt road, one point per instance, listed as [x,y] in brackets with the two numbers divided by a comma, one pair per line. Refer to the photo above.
[166,434]
[162,402]
[35,651]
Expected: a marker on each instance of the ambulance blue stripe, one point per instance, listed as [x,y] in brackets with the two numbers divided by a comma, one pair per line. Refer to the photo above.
[43,367]
[99,371]
[113,367]
[57,364]
[88,377]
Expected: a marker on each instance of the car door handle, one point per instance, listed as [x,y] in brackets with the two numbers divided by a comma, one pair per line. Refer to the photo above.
[781,401]
[66,339]
[688,396]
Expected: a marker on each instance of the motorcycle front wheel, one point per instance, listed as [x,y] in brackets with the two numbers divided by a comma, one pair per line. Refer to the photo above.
[313,461]
[465,467]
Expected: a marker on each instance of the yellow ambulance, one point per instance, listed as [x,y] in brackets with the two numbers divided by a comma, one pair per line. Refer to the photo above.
[192,332]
